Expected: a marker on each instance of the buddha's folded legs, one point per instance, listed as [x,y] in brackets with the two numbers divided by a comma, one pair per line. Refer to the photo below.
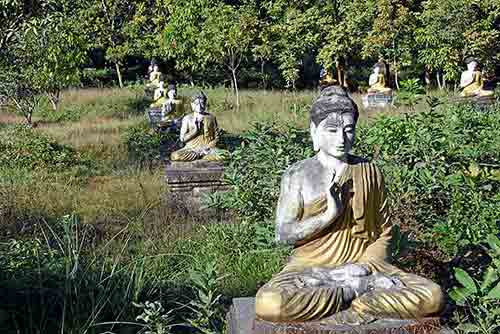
[418,298]
[284,300]
[185,154]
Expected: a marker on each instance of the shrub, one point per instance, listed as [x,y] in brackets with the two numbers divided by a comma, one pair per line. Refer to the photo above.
[24,148]
[145,145]
[441,166]
[444,166]
[255,169]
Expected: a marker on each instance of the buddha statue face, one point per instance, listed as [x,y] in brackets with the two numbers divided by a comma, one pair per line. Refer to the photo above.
[333,123]
[376,70]
[199,103]
[171,94]
[156,68]
[472,66]
[334,135]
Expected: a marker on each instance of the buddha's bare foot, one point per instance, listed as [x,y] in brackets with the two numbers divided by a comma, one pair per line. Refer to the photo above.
[348,317]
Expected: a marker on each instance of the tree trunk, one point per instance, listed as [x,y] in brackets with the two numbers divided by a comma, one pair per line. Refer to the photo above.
[236,90]
[444,82]
[263,74]
[438,79]
[396,78]
[28,117]
[427,78]
[54,98]
[119,73]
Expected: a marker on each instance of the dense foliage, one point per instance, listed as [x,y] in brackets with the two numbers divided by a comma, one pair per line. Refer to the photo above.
[443,166]
[264,38]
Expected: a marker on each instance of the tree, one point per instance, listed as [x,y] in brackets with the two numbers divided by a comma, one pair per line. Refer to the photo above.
[124,28]
[391,34]
[183,38]
[451,30]
[345,25]
[56,49]
[293,32]
[43,56]
[229,33]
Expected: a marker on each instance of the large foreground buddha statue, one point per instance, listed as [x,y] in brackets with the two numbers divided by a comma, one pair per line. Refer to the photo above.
[333,210]
[199,133]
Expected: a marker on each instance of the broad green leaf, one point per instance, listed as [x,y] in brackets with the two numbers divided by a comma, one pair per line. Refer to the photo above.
[464,278]
[494,293]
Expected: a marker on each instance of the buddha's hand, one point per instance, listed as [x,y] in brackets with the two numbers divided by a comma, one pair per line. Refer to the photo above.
[337,196]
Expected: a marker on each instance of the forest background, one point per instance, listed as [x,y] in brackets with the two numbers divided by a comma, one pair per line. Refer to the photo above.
[48,45]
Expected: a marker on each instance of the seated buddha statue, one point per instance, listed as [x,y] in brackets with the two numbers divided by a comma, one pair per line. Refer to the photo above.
[155,77]
[333,210]
[377,81]
[199,133]
[165,99]
[471,81]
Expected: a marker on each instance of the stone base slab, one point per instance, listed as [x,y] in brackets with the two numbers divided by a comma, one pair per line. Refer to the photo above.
[481,101]
[188,182]
[241,320]
[377,100]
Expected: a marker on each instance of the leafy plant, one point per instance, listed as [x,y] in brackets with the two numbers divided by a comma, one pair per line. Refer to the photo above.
[410,93]
[144,145]
[154,317]
[482,296]
[208,316]
[22,147]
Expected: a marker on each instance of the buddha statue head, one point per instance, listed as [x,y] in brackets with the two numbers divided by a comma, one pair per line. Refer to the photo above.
[199,103]
[333,119]
[472,64]
[161,85]
[172,92]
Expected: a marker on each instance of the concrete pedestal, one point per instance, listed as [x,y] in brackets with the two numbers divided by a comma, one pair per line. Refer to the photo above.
[241,320]
[188,182]
[377,100]
[478,101]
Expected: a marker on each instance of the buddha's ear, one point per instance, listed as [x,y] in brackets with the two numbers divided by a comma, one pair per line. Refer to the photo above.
[314,130]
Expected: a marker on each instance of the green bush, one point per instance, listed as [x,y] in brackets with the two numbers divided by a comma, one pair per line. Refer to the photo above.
[24,148]
[255,169]
[441,168]
[145,145]
[444,166]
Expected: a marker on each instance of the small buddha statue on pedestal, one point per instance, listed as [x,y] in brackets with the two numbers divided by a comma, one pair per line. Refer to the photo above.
[199,133]
[377,81]
[334,211]
[165,99]
[471,81]
[155,77]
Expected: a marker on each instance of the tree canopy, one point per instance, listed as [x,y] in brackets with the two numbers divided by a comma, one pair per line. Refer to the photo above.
[270,42]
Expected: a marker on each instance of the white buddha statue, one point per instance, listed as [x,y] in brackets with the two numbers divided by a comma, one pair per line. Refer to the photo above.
[471,81]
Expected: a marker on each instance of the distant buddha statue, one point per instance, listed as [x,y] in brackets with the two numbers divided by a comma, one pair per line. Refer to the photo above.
[377,80]
[326,78]
[471,81]
[165,99]
[159,96]
[333,210]
[155,77]
[199,133]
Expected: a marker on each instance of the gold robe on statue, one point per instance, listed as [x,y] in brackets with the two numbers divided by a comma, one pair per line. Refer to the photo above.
[362,235]
[203,146]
